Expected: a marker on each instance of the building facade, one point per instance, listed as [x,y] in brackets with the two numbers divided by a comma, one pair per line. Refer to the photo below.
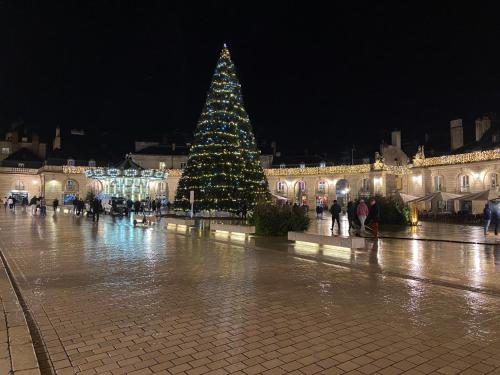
[393,173]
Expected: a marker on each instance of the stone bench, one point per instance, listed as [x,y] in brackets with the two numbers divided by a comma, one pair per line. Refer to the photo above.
[179,221]
[349,242]
[246,229]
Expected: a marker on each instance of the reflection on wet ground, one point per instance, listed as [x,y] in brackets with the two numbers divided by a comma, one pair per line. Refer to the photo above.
[113,299]
[424,231]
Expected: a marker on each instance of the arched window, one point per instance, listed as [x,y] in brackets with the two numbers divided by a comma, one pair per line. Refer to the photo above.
[20,185]
[71,162]
[92,163]
[281,186]
[71,185]
[438,183]
[493,180]
[464,183]
[365,185]
[301,185]
[322,186]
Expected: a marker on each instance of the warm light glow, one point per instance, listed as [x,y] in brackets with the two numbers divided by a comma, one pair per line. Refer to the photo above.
[35,182]
[417,179]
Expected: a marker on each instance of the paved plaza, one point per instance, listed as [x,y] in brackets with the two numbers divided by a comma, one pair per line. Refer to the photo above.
[112,299]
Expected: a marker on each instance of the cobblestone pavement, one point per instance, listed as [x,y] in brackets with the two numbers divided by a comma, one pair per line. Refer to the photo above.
[112,299]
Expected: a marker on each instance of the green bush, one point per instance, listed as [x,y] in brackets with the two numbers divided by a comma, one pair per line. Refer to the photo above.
[392,211]
[270,220]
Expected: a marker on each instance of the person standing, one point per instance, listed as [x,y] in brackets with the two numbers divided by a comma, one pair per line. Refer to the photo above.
[495,216]
[43,207]
[362,213]
[33,204]
[96,209]
[55,204]
[374,217]
[335,211]
[351,213]
[486,218]
[318,211]
[153,205]
[11,202]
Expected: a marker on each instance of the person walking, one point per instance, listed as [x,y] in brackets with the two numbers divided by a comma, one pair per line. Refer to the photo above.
[351,213]
[374,217]
[96,209]
[55,204]
[486,218]
[362,213]
[335,211]
[153,205]
[5,202]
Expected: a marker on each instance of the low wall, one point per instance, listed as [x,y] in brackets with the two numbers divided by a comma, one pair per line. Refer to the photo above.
[17,354]
[247,229]
[349,242]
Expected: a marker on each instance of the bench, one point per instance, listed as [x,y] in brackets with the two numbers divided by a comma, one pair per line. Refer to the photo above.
[349,242]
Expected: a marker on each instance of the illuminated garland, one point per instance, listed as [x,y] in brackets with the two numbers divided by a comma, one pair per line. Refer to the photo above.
[358,168]
[470,157]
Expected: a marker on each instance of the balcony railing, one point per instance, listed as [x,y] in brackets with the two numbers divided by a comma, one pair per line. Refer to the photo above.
[465,189]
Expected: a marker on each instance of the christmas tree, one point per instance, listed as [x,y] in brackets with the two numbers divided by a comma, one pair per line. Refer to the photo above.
[223,166]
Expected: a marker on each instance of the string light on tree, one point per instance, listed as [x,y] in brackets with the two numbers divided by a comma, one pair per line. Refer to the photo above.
[223,167]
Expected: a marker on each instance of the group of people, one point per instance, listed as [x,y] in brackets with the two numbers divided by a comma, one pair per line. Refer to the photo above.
[358,211]
[491,215]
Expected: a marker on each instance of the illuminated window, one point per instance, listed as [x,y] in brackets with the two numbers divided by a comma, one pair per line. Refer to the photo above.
[70,185]
[280,186]
[71,162]
[5,150]
[322,164]
[365,184]
[493,180]
[322,186]
[302,165]
[19,185]
[162,165]
[20,165]
[438,183]
[91,163]
[464,183]
[282,165]
[301,185]
[183,165]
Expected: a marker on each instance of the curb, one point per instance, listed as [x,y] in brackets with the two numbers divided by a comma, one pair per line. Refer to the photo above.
[14,331]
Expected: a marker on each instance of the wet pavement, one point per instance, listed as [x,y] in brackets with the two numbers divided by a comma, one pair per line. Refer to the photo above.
[112,299]
[423,231]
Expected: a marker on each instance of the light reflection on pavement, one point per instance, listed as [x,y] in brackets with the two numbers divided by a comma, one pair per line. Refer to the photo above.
[112,299]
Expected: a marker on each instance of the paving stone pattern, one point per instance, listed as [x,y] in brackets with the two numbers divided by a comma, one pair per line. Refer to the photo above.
[113,299]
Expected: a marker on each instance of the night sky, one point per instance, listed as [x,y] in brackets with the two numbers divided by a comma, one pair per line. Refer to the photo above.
[313,77]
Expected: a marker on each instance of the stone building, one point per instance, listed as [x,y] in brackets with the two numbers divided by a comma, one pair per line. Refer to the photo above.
[469,168]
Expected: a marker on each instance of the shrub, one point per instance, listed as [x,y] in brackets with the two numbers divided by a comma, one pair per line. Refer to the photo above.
[393,211]
[270,220]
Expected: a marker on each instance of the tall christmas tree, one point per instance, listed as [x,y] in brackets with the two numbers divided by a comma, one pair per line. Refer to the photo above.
[223,168]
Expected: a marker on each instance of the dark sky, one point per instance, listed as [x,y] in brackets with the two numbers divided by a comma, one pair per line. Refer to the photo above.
[313,77]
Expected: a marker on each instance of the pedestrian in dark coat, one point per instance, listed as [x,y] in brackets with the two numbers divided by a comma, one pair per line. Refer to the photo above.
[335,211]
[374,217]
[351,213]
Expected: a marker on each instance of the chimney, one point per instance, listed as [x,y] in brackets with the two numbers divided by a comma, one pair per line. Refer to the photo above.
[273,147]
[456,133]
[57,140]
[482,126]
[396,138]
